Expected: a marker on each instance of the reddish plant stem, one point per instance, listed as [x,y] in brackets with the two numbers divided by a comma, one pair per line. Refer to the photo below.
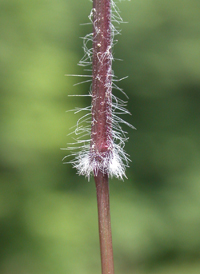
[105,235]
[101,133]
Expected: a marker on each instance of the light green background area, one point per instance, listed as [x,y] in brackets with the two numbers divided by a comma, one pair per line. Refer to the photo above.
[48,214]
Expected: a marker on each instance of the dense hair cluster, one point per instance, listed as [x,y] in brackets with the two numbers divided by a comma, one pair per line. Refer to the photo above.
[86,159]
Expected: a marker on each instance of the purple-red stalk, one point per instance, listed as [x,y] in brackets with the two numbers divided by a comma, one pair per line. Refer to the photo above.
[105,235]
[101,132]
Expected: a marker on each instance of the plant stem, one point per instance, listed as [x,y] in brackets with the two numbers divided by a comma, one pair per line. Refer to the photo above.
[101,131]
[105,236]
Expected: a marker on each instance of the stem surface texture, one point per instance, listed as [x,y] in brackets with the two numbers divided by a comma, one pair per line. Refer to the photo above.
[105,234]
[101,132]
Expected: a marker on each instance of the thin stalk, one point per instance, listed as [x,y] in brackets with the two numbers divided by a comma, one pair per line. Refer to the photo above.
[105,235]
[101,132]
[102,154]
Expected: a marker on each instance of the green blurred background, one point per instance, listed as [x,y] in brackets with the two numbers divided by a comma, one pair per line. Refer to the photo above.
[48,214]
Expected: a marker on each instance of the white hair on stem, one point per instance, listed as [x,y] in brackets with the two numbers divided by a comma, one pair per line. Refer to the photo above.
[115,160]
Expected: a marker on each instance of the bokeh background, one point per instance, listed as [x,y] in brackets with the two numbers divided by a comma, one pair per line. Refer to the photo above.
[48,214]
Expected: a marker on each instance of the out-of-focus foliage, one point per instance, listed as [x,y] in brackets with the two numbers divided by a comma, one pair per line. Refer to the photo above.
[48,216]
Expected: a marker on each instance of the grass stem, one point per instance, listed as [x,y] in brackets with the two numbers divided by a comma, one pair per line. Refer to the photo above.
[105,235]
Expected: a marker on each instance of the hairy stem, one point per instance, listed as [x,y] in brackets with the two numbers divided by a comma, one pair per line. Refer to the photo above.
[101,133]
[105,235]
